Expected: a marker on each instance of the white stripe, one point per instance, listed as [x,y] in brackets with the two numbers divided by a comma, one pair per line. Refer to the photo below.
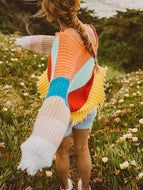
[54,54]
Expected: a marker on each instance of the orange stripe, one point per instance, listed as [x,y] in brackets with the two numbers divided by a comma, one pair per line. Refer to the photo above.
[69,56]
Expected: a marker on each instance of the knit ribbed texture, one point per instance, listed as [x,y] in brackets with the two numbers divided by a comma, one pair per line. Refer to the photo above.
[53,118]
[83,94]
[39,43]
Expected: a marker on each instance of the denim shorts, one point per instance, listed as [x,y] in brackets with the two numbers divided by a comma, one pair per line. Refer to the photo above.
[85,124]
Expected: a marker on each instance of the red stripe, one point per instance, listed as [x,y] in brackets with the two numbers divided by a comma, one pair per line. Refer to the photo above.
[78,98]
[49,68]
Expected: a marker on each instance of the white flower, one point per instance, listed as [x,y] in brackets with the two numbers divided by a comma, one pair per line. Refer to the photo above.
[39,65]
[121,100]
[104,159]
[124,165]
[112,145]
[7,86]
[49,173]
[1,62]
[42,58]
[128,136]
[134,94]
[43,64]
[131,105]
[133,162]
[138,86]
[33,76]
[21,83]
[13,50]
[134,130]
[41,96]
[8,102]
[127,90]
[141,121]
[123,138]
[139,82]
[35,55]
[134,139]
[14,59]
[140,175]
[25,94]
[5,109]
[126,95]
[141,103]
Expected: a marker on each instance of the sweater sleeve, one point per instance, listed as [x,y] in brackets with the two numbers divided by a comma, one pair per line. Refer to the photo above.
[39,43]
[54,116]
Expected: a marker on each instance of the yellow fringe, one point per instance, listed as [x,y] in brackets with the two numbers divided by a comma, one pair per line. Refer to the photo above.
[96,96]
[43,84]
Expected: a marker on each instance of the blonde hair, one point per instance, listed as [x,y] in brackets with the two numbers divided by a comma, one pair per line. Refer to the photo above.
[66,12]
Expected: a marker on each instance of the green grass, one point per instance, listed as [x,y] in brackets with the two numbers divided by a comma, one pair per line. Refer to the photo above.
[19,105]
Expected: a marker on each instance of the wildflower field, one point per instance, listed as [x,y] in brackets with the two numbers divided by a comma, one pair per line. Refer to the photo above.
[116,140]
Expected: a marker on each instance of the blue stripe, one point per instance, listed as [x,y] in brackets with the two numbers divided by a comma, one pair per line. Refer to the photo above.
[59,87]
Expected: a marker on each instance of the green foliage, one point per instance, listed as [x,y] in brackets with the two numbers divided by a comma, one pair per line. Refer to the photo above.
[121,40]
[120,36]
[19,105]
[6,26]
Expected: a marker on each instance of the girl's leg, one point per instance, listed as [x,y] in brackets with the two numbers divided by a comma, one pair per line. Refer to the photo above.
[80,137]
[62,161]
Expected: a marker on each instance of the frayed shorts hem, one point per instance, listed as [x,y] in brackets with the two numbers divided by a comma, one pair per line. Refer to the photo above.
[85,124]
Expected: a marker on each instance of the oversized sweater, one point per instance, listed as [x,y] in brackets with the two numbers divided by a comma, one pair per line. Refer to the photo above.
[71,88]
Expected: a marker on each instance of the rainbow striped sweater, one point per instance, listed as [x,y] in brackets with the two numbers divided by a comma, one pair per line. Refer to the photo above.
[71,88]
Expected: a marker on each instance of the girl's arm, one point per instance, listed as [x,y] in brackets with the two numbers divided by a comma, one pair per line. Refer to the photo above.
[39,43]
[54,116]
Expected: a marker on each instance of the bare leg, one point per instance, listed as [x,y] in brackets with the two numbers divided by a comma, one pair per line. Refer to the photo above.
[80,137]
[62,161]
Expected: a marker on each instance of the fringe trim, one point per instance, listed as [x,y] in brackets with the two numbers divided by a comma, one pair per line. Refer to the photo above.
[96,96]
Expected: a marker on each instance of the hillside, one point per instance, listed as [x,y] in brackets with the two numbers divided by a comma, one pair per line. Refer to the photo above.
[116,137]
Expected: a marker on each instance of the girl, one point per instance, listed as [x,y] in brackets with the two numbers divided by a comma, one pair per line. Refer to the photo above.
[73,88]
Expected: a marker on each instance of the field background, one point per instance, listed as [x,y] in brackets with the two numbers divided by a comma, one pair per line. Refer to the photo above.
[117,133]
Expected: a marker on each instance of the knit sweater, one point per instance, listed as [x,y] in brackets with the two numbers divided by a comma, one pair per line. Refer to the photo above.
[71,77]
[84,93]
